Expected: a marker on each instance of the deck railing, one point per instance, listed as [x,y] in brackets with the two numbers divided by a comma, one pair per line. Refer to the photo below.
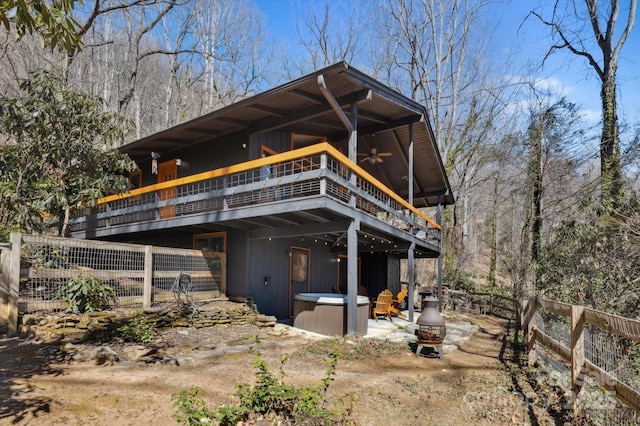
[318,170]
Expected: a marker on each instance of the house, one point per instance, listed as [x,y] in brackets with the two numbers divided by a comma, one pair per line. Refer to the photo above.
[313,186]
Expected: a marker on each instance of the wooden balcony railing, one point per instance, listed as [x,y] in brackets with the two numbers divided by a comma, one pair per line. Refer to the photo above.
[311,171]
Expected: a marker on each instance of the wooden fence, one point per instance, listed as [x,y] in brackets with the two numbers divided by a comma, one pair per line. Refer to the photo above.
[483,303]
[32,268]
[594,344]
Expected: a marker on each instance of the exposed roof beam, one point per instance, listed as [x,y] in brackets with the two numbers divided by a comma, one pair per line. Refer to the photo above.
[269,110]
[334,103]
[243,123]
[431,194]
[327,123]
[377,128]
[308,96]
[202,131]
[308,113]
[299,231]
[373,117]
[309,215]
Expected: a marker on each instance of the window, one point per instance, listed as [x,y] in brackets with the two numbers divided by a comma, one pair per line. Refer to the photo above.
[215,242]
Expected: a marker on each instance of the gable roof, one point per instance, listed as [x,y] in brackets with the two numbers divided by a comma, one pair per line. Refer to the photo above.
[300,106]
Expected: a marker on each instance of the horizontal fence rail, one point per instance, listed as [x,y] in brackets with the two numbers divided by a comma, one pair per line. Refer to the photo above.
[318,170]
[34,268]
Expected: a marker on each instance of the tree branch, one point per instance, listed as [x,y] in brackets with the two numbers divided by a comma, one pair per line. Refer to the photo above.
[567,44]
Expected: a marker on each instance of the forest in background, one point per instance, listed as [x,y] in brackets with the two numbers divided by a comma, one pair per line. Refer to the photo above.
[546,200]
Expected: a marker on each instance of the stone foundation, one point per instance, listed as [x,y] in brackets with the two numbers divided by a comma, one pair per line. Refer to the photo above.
[64,327]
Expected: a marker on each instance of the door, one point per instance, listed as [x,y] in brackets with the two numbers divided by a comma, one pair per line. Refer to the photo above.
[298,273]
[167,171]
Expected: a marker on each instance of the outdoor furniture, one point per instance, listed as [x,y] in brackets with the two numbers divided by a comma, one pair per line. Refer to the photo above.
[382,305]
[395,304]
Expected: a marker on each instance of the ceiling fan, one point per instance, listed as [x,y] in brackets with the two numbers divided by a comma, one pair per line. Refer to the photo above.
[374,156]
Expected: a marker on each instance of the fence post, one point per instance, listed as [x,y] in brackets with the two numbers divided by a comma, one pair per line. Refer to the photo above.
[491,299]
[14,284]
[528,321]
[577,355]
[148,277]
[5,257]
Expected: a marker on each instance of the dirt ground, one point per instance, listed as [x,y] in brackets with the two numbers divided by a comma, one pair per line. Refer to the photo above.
[376,383]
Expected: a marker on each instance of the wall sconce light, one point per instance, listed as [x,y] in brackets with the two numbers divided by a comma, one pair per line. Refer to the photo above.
[244,145]
[178,162]
[338,260]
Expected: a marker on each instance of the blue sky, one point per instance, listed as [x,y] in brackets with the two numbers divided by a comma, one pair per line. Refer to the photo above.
[520,42]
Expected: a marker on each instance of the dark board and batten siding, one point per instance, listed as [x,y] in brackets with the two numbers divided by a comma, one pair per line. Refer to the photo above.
[379,272]
[276,141]
[271,259]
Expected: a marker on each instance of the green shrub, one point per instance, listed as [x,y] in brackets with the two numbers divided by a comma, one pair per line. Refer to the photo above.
[190,407]
[138,329]
[85,294]
[269,397]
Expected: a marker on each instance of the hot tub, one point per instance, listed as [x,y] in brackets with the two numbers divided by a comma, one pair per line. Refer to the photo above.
[326,313]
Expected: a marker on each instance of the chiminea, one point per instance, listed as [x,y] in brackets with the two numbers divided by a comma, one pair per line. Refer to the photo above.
[431,329]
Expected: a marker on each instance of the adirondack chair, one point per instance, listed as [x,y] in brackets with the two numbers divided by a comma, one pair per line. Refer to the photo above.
[382,305]
[395,304]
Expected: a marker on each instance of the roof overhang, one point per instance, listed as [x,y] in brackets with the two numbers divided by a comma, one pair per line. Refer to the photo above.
[384,118]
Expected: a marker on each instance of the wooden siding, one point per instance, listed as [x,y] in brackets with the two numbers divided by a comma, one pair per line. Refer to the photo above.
[271,258]
[379,272]
[238,263]
[276,141]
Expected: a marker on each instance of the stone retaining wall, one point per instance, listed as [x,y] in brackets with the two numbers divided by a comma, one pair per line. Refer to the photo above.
[64,327]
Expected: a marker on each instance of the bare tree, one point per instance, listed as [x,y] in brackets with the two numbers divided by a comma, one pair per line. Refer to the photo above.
[230,38]
[433,51]
[566,25]
[327,36]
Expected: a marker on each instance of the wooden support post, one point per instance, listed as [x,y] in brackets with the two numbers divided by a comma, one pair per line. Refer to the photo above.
[14,284]
[148,277]
[577,356]
[352,277]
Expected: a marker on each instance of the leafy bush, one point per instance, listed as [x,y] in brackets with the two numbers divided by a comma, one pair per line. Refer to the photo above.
[595,262]
[269,397]
[459,281]
[191,408]
[138,329]
[85,294]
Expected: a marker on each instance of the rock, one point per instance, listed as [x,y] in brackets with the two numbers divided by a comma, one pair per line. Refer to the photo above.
[141,353]
[81,356]
[29,320]
[69,348]
[104,355]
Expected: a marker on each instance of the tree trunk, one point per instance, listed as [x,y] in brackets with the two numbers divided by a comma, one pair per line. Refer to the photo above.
[535,177]
[493,238]
[610,166]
